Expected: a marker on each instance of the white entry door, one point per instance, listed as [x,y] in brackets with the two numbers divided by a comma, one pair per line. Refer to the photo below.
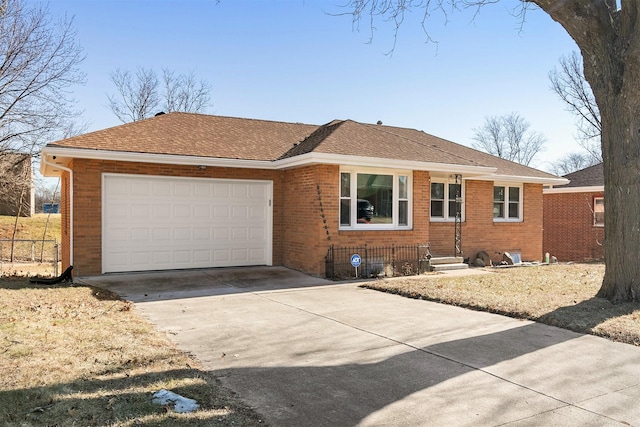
[160,223]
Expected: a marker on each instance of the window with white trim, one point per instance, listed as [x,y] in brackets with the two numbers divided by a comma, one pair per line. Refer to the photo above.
[507,203]
[598,211]
[443,200]
[375,199]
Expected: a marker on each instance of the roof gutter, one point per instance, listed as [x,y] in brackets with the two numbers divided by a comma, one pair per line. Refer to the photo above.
[378,162]
[486,173]
[169,159]
[45,162]
[527,179]
[590,189]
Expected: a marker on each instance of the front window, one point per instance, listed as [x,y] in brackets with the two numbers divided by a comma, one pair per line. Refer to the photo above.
[375,200]
[598,211]
[444,200]
[507,203]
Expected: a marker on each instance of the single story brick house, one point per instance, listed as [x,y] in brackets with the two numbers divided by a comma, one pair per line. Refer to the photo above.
[184,190]
[574,216]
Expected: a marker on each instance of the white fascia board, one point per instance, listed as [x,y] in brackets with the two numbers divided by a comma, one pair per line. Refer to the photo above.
[520,179]
[376,162]
[302,160]
[591,189]
[171,159]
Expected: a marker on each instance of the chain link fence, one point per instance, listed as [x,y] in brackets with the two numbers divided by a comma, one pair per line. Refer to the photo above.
[25,255]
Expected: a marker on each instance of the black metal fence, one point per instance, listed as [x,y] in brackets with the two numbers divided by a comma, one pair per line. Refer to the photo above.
[377,261]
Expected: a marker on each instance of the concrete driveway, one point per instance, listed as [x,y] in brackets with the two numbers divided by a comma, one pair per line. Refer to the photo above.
[308,352]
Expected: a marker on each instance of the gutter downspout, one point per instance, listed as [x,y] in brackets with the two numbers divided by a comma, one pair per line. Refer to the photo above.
[53,165]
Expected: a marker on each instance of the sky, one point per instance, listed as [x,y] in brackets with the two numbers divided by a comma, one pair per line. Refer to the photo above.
[304,61]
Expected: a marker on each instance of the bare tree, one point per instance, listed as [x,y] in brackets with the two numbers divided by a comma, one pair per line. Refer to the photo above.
[15,182]
[606,32]
[39,61]
[184,92]
[569,84]
[509,137]
[143,94]
[573,162]
[137,97]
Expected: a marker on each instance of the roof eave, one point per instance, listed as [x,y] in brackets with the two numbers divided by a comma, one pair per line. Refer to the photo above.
[82,153]
[64,154]
[519,178]
[377,162]
[586,189]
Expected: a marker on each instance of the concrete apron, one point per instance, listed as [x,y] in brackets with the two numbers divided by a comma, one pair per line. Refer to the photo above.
[307,352]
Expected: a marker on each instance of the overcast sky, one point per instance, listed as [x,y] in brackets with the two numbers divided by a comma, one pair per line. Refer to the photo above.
[296,61]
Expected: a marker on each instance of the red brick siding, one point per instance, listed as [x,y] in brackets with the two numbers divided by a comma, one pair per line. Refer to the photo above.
[87,197]
[306,215]
[481,233]
[65,225]
[312,218]
[569,233]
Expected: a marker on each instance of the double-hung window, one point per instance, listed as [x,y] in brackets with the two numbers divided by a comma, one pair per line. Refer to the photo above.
[444,195]
[507,203]
[375,199]
[598,211]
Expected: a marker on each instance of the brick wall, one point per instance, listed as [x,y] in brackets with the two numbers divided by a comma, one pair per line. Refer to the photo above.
[569,233]
[65,224]
[312,218]
[87,197]
[481,233]
[305,215]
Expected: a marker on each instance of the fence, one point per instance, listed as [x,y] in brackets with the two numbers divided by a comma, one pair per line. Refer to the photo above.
[377,261]
[29,251]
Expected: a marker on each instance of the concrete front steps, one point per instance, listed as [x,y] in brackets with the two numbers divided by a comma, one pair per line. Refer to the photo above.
[447,263]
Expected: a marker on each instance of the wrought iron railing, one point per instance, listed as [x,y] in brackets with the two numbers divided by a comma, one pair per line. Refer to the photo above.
[377,261]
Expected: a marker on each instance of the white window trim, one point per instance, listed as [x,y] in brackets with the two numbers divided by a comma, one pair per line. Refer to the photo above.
[520,202]
[446,183]
[594,211]
[354,171]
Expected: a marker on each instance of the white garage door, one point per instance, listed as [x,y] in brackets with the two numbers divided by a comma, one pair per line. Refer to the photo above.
[160,223]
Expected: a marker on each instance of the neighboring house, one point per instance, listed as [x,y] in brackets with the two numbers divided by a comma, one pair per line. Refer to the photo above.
[574,216]
[16,184]
[185,190]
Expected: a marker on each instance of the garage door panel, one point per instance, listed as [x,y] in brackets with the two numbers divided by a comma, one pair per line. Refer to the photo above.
[153,223]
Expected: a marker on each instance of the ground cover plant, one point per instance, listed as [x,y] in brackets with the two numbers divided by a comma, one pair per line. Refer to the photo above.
[80,356]
[558,295]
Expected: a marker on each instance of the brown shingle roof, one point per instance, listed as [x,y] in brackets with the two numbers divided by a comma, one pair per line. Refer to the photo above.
[358,139]
[200,135]
[190,134]
[592,176]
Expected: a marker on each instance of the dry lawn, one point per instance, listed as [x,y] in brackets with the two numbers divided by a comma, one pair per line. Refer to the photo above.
[37,227]
[559,295]
[78,356]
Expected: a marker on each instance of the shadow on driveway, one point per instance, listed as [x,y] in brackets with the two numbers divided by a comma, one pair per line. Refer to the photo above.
[305,351]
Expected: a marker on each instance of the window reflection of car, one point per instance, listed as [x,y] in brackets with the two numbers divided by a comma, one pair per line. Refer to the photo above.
[365,211]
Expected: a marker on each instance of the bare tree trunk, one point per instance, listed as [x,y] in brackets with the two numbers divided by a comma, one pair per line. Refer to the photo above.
[621,149]
[607,34]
